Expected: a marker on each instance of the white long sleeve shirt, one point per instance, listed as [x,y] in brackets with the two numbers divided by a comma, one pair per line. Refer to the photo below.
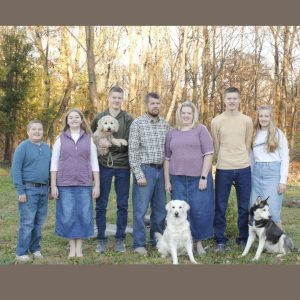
[281,154]
[75,137]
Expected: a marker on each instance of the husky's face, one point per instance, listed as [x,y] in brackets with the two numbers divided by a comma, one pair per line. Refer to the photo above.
[260,210]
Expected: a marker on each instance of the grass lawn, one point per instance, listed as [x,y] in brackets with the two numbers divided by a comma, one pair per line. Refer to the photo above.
[55,250]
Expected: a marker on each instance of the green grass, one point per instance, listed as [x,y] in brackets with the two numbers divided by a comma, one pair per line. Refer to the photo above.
[55,250]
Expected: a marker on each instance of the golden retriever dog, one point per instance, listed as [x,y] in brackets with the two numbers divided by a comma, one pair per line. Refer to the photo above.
[107,125]
[177,237]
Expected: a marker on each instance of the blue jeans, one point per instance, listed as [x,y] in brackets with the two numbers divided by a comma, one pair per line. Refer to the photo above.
[154,194]
[122,184]
[32,216]
[265,180]
[201,213]
[241,178]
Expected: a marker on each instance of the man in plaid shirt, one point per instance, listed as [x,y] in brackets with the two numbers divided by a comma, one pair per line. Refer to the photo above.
[146,156]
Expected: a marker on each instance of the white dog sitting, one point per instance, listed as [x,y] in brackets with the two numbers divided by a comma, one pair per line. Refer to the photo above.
[177,237]
[107,125]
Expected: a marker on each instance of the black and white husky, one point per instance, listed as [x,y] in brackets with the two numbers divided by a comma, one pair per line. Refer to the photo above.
[270,236]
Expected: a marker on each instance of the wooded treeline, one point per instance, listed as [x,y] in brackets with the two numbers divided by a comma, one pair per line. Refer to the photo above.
[44,71]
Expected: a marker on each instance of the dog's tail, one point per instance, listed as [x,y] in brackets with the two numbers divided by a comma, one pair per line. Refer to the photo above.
[288,244]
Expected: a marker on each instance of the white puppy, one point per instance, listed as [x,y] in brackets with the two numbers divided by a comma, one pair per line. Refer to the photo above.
[177,237]
[107,125]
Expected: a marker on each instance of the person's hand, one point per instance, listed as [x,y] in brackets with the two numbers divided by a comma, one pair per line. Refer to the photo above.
[54,191]
[142,181]
[202,184]
[104,143]
[96,192]
[22,198]
[168,187]
[281,188]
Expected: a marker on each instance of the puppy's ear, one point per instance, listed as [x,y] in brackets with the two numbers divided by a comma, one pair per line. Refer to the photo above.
[168,206]
[100,126]
[116,122]
[186,206]
[266,200]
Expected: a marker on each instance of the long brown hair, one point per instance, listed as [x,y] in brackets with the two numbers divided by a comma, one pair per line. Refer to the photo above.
[272,139]
[83,125]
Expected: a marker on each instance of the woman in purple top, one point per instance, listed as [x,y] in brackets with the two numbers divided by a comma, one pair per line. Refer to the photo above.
[187,169]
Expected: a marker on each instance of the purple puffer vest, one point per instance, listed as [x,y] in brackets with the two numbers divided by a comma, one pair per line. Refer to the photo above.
[74,168]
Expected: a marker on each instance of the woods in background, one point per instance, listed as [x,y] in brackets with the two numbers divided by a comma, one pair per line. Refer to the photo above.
[44,71]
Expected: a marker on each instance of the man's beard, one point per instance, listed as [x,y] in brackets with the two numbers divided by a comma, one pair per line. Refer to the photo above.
[153,114]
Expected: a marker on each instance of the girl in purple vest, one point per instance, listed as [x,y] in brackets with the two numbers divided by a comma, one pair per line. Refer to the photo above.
[74,166]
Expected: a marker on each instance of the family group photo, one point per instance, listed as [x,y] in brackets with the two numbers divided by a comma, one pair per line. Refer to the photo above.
[150,145]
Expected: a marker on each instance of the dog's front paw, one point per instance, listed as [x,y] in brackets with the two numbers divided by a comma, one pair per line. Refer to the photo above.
[255,258]
[123,142]
[280,255]
[194,262]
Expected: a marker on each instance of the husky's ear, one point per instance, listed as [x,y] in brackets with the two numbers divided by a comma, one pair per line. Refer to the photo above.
[266,200]
[258,200]
[168,206]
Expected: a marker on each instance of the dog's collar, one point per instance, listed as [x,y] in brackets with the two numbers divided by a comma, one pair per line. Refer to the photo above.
[259,223]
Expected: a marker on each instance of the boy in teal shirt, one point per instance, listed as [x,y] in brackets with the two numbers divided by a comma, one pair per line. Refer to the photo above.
[30,174]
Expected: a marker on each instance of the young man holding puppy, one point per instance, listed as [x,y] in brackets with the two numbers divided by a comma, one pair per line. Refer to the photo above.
[114,164]
[30,174]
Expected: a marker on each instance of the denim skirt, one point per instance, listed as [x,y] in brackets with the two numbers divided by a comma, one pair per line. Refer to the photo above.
[265,177]
[74,212]
[201,213]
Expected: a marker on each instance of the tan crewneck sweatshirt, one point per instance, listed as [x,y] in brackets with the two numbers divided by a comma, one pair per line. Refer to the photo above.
[232,135]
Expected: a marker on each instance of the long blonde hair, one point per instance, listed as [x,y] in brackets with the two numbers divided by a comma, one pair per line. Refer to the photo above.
[86,128]
[194,110]
[272,138]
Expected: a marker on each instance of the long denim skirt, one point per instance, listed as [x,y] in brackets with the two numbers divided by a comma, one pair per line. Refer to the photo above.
[201,213]
[74,212]
[265,177]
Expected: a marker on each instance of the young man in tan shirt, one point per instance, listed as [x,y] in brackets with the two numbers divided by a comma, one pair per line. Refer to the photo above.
[232,134]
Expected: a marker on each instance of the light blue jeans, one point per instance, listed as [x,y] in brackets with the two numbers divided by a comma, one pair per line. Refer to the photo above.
[265,179]
[154,194]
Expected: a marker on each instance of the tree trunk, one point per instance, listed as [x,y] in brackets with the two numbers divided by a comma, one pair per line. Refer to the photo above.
[89,31]
[180,75]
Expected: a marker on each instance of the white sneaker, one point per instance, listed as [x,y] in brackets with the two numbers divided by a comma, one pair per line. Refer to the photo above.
[23,258]
[37,255]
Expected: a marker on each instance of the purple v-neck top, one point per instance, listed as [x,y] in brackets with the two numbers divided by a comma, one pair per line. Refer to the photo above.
[185,150]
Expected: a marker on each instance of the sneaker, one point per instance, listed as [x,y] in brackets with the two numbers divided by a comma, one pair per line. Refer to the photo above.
[37,255]
[141,251]
[101,247]
[220,248]
[23,258]
[120,247]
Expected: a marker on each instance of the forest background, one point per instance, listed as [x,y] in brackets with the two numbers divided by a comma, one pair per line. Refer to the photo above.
[45,70]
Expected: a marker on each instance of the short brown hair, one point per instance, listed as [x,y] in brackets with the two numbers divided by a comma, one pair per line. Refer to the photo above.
[232,89]
[116,89]
[151,95]
[35,121]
